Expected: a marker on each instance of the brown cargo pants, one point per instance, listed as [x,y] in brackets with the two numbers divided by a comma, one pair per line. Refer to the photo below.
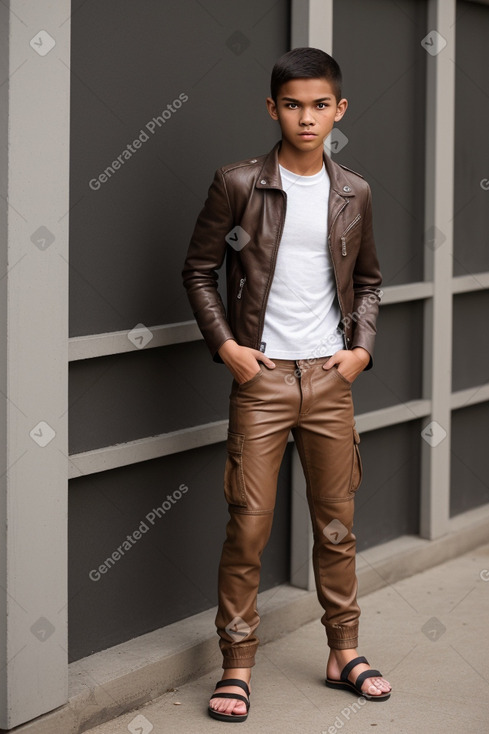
[316,405]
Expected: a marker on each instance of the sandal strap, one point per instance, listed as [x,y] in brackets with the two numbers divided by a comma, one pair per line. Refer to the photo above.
[234,682]
[349,667]
[367,674]
[235,696]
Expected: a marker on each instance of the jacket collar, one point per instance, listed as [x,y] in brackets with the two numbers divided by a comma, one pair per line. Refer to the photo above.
[269,176]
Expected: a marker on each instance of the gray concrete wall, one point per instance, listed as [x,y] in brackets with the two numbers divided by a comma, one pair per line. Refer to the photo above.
[147,409]
[128,240]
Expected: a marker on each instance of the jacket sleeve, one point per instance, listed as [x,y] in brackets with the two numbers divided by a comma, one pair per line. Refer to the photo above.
[366,287]
[205,256]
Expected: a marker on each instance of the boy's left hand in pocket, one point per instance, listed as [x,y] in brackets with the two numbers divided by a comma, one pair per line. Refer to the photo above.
[350,362]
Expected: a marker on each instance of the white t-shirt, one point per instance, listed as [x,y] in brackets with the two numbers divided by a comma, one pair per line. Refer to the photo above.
[302,313]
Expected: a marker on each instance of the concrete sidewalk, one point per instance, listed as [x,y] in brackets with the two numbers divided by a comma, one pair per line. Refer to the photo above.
[428,634]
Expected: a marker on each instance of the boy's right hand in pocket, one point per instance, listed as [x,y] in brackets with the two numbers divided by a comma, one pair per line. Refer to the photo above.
[242,362]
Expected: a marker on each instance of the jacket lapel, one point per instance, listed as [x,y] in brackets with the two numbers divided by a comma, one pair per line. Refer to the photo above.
[341,188]
[340,192]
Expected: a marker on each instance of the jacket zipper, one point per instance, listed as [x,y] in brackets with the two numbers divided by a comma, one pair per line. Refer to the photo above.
[343,238]
[334,266]
[241,286]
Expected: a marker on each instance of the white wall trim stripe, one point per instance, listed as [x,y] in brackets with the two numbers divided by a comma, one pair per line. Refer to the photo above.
[123,454]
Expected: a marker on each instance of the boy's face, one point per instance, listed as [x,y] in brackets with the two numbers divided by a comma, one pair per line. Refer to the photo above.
[306,111]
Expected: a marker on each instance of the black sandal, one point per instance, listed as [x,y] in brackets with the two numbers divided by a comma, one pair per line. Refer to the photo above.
[345,685]
[231,717]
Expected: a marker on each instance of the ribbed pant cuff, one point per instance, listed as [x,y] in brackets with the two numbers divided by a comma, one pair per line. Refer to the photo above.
[239,656]
[342,638]
[351,642]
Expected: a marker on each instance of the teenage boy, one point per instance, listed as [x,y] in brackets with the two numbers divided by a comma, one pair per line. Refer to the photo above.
[302,301]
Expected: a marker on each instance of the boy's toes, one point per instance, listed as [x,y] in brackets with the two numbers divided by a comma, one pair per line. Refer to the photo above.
[228,706]
[376,686]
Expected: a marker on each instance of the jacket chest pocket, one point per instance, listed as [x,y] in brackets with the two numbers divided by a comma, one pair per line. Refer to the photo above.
[350,239]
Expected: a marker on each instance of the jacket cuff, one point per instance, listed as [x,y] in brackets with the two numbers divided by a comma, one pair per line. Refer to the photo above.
[215,351]
[369,349]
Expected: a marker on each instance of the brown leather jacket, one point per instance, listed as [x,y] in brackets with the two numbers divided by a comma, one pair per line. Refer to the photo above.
[243,219]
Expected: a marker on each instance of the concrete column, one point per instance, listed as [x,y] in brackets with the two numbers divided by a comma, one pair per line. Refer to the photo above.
[439,44]
[34,202]
[312,24]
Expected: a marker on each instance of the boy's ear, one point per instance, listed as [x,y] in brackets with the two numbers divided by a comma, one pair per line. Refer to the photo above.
[272,108]
[340,109]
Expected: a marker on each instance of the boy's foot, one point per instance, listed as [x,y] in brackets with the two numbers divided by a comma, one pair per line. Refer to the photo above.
[231,706]
[376,686]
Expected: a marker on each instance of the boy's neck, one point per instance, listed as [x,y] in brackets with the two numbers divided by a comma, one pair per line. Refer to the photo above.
[305,163]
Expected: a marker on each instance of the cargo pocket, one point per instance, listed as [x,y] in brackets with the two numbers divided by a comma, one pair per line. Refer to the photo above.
[357,471]
[234,483]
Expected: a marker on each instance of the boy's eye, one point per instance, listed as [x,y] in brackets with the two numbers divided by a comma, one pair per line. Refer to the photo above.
[294,105]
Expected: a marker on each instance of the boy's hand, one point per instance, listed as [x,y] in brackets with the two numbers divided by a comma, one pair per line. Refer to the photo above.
[350,362]
[242,362]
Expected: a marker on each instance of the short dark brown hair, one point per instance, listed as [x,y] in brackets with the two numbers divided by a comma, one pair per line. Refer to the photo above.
[305,63]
